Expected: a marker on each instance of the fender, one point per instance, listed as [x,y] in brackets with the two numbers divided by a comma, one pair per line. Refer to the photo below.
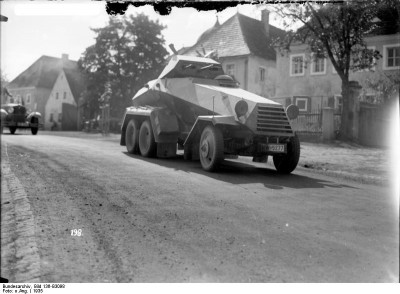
[3,114]
[133,112]
[34,114]
[205,120]
[163,122]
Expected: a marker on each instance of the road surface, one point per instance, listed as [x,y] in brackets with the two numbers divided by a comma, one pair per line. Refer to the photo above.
[84,210]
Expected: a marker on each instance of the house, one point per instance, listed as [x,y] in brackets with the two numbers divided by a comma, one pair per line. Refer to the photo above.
[61,110]
[243,45]
[312,83]
[46,85]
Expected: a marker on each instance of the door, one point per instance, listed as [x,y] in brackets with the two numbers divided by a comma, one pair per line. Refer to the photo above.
[69,120]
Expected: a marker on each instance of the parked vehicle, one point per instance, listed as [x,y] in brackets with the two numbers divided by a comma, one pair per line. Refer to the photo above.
[194,105]
[15,116]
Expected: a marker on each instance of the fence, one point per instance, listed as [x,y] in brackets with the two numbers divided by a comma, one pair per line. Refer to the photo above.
[308,124]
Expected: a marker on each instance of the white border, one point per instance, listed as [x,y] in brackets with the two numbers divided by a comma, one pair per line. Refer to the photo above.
[302,99]
[384,66]
[291,64]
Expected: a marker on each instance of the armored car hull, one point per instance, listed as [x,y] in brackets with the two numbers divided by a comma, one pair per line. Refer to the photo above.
[195,106]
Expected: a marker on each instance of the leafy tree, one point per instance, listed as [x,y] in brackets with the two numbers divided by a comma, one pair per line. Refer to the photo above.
[128,52]
[337,31]
[3,83]
[385,84]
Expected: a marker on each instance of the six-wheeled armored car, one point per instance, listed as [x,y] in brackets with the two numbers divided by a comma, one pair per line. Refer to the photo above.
[195,106]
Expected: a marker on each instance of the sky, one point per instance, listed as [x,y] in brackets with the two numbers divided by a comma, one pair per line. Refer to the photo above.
[52,28]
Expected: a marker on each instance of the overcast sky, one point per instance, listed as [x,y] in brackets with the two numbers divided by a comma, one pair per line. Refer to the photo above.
[52,28]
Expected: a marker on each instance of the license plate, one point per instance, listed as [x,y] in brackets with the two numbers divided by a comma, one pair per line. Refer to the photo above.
[276,147]
[22,124]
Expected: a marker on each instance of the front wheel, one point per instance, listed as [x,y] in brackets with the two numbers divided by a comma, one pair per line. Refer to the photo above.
[132,136]
[211,148]
[147,144]
[287,163]
[12,130]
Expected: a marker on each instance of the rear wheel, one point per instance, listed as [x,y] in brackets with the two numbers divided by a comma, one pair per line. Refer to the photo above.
[287,163]
[132,136]
[147,144]
[12,130]
[35,130]
[211,148]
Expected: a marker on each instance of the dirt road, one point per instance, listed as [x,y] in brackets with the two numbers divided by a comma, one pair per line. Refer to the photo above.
[152,220]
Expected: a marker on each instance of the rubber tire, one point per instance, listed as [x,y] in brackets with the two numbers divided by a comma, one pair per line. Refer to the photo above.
[213,136]
[187,152]
[12,130]
[132,137]
[287,163]
[34,131]
[147,144]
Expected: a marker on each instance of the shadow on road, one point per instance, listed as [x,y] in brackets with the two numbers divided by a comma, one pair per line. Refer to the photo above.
[236,172]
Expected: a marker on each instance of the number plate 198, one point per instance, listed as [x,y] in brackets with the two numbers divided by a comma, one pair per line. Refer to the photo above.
[276,147]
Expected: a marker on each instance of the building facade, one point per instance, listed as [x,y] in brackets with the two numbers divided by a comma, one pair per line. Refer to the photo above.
[243,45]
[313,83]
[37,87]
[60,94]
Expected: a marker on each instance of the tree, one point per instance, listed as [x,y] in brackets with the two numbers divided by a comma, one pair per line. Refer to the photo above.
[3,84]
[128,52]
[385,84]
[337,31]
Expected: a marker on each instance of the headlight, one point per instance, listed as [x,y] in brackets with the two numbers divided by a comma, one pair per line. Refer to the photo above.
[292,111]
[10,110]
[241,108]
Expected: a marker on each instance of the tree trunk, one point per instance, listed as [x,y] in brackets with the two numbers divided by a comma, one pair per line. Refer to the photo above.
[346,118]
[349,118]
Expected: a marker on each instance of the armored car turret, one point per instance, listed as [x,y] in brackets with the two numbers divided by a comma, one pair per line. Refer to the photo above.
[194,105]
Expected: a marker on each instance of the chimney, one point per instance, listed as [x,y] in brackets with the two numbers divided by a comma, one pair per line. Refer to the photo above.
[64,57]
[265,20]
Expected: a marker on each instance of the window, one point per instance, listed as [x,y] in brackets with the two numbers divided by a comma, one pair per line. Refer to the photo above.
[230,70]
[318,65]
[262,74]
[297,65]
[391,56]
[59,117]
[302,103]
[338,103]
[65,95]
[57,96]
[28,98]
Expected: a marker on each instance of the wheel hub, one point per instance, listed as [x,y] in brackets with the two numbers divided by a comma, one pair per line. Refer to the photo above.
[205,148]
